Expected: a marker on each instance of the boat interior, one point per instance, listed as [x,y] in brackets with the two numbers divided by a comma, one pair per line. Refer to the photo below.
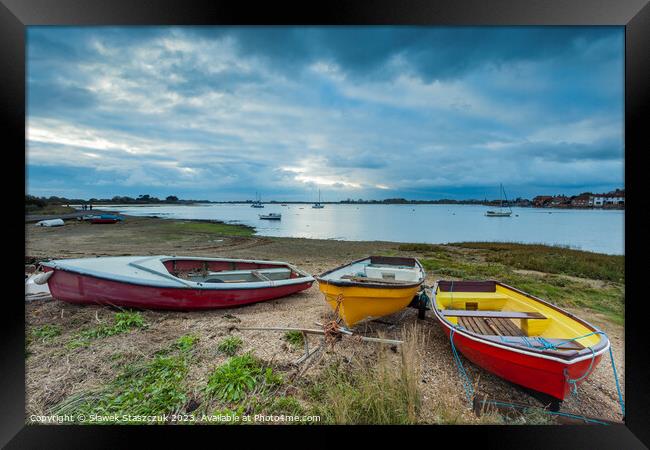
[379,269]
[505,315]
[215,271]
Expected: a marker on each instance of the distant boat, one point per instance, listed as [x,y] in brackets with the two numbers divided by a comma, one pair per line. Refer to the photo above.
[171,282]
[271,216]
[501,212]
[258,201]
[318,204]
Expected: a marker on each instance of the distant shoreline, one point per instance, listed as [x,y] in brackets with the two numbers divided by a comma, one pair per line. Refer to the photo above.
[411,203]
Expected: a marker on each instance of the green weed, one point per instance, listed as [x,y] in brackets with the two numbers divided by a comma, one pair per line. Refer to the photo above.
[232,381]
[230,345]
[148,389]
[295,338]
[46,332]
[187,342]
[122,322]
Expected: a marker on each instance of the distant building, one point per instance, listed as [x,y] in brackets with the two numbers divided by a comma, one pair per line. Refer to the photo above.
[559,200]
[580,201]
[542,200]
[611,199]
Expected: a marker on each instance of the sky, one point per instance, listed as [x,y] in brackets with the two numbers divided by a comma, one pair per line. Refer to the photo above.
[220,113]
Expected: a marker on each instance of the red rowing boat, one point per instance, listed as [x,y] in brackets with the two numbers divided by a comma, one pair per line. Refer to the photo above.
[517,336]
[170,282]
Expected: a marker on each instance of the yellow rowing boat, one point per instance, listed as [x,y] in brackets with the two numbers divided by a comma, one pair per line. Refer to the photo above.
[371,287]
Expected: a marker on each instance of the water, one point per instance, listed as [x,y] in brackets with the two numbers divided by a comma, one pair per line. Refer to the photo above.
[599,231]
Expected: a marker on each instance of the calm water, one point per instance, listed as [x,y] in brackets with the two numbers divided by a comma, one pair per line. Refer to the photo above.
[593,230]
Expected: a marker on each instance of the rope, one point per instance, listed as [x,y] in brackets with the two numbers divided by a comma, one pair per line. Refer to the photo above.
[467,382]
[618,386]
[554,413]
[573,383]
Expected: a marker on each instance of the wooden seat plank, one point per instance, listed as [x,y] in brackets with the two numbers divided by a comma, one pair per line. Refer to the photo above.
[496,325]
[513,329]
[482,325]
[492,314]
[493,327]
[472,324]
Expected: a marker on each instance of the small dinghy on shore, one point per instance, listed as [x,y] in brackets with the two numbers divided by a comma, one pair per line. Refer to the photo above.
[105,218]
[516,336]
[371,287]
[171,282]
[50,223]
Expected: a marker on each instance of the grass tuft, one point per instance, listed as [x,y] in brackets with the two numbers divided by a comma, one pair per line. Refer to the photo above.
[288,406]
[187,342]
[122,322]
[295,338]
[230,345]
[232,381]
[46,332]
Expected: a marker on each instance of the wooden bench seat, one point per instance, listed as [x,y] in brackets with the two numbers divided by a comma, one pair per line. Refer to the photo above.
[492,314]
[497,323]
[490,326]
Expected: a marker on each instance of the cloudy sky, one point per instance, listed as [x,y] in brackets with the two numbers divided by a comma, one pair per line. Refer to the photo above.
[219,113]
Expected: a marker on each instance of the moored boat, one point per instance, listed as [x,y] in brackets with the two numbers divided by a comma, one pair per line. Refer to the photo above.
[271,216]
[519,337]
[171,282]
[318,204]
[501,212]
[371,287]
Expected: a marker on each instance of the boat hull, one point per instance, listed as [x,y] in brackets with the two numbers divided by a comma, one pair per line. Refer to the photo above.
[104,220]
[366,303]
[76,288]
[531,371]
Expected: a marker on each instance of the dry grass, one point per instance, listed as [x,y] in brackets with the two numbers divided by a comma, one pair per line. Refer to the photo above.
[372,391]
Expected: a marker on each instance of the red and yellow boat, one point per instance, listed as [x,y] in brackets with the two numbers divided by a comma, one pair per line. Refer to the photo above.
[170,282]
[519,337]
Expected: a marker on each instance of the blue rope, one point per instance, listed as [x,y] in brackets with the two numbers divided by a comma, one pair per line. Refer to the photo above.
[573,383]
[574,388]
[554,413]
[618,386]
[467,382]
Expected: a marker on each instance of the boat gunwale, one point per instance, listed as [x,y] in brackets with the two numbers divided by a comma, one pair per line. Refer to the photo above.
[185,284]
[558,356]
[378,285]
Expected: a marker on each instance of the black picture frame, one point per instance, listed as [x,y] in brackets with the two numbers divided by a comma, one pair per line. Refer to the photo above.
[634,15]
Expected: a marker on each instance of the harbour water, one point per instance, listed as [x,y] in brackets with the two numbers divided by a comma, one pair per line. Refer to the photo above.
[599,231]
